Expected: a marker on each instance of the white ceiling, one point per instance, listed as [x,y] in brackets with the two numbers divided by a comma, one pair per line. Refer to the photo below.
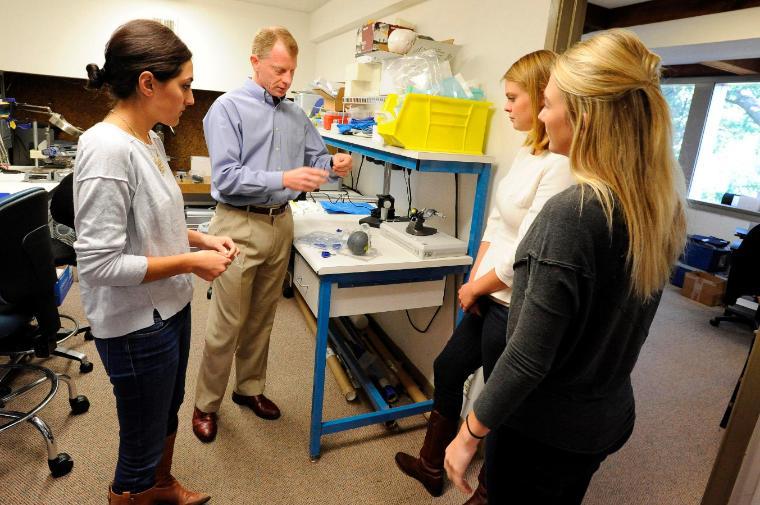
[295,5]
[611,4]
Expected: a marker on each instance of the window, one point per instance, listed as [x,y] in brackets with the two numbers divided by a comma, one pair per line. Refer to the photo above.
[729,154]
[724,125]
[679,98]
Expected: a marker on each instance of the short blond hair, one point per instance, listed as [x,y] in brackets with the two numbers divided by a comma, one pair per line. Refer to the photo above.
[531,72]
[267,37]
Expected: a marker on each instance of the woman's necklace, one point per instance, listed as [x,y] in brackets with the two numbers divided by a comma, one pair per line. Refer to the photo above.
[157,160]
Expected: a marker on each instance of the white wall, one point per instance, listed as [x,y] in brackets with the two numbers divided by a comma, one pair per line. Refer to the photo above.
[492,37]
[702,222]
[727,35]
[218,32]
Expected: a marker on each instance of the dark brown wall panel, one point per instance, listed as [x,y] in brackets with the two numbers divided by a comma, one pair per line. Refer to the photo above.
[84,108]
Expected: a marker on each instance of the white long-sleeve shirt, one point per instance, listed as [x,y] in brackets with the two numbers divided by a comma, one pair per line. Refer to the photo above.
[519,197]
[126,209]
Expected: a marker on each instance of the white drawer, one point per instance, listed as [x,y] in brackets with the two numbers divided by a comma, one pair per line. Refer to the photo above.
[366,299]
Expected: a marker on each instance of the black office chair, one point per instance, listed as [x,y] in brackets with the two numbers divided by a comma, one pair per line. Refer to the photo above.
[743,280]
[62,211]
[29,320]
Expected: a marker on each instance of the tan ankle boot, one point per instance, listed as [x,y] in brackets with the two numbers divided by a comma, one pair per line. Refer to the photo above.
[428,467]
[127,498]
[168,490]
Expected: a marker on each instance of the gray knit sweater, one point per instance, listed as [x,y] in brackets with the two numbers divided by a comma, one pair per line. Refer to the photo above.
[125,211]
[574,332]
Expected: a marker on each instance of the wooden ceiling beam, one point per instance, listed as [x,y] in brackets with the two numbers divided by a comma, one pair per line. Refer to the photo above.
[728,66]
[655,11]
[691,70]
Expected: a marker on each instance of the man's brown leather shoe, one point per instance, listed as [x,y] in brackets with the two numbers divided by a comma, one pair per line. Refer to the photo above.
[204,425]
[260,404]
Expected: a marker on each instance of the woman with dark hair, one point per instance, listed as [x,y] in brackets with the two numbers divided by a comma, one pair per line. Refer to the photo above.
[133,254]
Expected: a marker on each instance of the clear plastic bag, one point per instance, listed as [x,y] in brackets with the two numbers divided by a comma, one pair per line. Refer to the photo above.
[417,73]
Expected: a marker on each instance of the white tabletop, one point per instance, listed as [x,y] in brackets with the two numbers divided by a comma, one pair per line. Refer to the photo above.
[417,155]
[13,183]
[390,256]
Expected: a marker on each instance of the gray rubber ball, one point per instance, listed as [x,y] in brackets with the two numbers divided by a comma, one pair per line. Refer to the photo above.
[358,243]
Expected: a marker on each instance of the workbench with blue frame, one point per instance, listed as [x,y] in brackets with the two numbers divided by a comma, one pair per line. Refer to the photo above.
[398,267]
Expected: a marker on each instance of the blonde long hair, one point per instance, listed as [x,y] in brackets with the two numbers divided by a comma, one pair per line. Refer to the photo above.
[531,72]
[622,150]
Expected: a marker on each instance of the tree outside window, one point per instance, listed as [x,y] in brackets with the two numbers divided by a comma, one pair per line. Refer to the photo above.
[679,98]
[729,155]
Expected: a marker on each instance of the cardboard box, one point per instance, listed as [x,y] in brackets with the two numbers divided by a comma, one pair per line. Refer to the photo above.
[373,37]
[333,103]
[704,288]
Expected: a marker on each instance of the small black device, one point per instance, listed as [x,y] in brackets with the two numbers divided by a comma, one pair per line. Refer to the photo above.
[417,224]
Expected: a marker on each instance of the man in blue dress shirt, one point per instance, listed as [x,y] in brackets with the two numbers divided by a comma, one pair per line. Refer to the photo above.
[264,151]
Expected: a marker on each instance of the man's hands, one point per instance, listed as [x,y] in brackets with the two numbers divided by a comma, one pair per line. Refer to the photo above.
[310,179]
[342,163]
[304,178]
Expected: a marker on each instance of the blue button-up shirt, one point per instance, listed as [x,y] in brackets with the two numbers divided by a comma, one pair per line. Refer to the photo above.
[252,139]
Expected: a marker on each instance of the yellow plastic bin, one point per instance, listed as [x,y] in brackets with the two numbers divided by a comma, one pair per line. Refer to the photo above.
[435,123]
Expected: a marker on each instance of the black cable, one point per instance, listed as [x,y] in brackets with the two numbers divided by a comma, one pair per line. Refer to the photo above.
[429,323]
[456,205]
[408,180]
[355,185]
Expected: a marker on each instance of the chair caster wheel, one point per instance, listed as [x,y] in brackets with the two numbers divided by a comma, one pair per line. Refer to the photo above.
[287,292]
[79,405]
[88,335]
[714,322]
[61,465]
[85,367]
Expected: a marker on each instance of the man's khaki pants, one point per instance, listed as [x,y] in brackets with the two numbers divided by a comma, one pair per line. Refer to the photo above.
[243,303]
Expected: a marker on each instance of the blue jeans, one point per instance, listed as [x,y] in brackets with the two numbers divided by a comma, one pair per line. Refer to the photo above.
[147,370]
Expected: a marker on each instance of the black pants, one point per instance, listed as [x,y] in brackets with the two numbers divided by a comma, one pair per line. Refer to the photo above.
[477,341]
[524,471]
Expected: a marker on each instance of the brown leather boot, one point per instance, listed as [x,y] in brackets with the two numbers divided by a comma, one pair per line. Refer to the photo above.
[428,468]
[127,498]
[480,496]
[168,490]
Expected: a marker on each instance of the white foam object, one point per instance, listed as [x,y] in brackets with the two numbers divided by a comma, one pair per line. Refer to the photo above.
[401,41]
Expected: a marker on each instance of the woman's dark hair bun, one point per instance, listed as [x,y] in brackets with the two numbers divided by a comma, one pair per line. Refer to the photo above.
[95,76]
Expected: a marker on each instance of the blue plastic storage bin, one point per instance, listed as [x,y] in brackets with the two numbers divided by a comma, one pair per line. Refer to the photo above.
[704,256]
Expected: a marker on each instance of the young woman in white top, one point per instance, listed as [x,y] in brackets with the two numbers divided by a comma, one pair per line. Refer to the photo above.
[535,176]
[133,254]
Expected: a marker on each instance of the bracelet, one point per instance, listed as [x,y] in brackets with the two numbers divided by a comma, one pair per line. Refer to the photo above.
[467,423]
